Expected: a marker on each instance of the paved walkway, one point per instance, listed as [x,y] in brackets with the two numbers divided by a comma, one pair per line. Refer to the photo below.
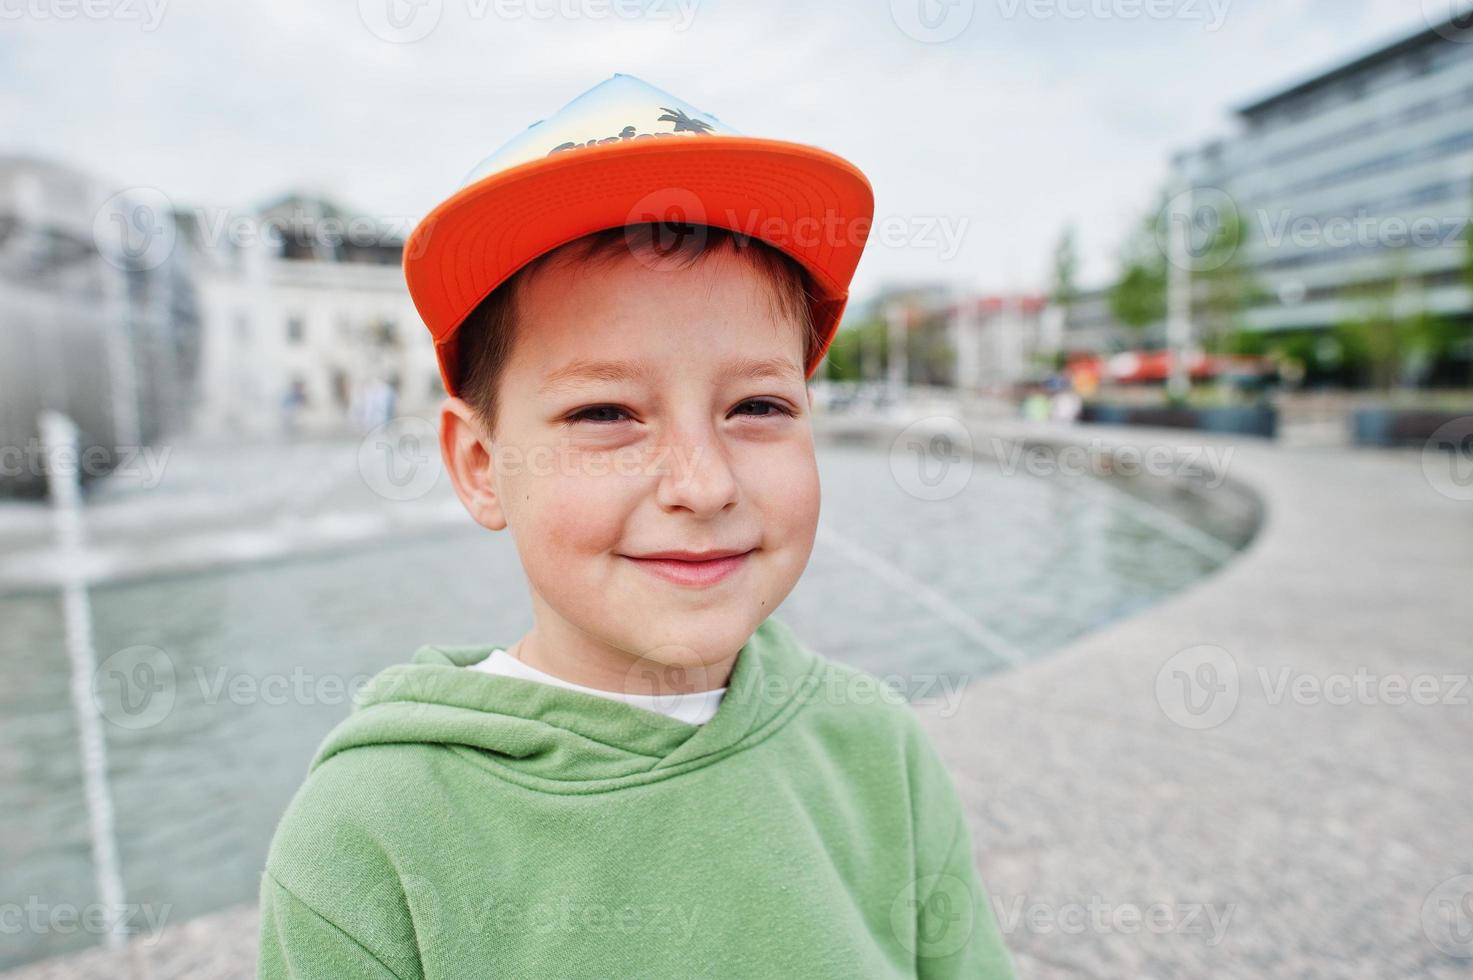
[1265,827]
[1187,793]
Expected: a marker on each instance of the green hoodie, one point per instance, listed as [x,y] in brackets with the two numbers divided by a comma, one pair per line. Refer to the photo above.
[464,825]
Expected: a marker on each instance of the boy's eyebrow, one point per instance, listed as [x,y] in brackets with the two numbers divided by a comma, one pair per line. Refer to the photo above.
[583,372]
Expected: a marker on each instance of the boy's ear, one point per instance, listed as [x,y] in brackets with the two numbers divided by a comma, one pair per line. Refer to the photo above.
[467,452]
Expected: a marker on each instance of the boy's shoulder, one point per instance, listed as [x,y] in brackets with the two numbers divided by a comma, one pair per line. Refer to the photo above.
[866,709]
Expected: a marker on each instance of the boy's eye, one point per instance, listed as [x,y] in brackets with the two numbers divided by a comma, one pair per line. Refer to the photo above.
[585,414]
[777,408]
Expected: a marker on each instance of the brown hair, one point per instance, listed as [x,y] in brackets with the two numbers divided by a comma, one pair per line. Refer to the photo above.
[485,338]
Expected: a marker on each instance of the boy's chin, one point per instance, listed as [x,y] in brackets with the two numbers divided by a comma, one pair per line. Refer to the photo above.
[697,656]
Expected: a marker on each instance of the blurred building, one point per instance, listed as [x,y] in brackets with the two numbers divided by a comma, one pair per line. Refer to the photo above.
[97,318]
[1356,182]
[307,326]
[1002,340]
[1088,325]
[957,339]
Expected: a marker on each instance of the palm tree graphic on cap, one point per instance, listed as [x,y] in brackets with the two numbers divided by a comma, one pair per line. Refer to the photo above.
[683,123]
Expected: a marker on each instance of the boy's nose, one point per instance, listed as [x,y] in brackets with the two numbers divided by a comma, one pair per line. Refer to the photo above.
[697,475]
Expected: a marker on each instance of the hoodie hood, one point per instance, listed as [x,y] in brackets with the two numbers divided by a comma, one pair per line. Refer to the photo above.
[562,740]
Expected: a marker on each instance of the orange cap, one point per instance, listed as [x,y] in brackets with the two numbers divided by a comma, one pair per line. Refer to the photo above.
[623,153]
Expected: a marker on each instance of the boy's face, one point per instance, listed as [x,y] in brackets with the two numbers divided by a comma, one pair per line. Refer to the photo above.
[705,446]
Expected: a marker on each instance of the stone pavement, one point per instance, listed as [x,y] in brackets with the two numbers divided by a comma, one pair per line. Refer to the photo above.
[1292,795]
[1268,775]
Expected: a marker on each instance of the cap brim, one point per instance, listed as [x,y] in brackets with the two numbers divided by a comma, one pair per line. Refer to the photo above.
[813,205]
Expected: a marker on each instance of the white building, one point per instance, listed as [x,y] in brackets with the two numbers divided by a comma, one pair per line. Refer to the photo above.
[304,311]
[1001,340]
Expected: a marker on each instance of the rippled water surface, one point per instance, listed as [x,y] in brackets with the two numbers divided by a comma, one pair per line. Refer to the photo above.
[264,656]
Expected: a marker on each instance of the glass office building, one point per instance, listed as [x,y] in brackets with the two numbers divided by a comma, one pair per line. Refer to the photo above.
[1351,185]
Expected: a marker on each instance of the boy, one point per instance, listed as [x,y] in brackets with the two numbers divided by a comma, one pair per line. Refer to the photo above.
[657,780]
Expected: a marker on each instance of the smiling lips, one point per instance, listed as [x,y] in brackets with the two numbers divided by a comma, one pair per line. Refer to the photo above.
[698,569]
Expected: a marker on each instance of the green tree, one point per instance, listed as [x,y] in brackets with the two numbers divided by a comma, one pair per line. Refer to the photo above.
[1066,269]
[1379,339]
[1468,245]
[1138,298]
[845,360]
[1222,288]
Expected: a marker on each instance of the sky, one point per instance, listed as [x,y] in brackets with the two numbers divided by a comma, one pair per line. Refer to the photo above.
[984,126]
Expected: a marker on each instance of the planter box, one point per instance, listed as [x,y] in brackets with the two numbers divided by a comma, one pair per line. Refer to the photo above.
[1250,420]
[1399,426]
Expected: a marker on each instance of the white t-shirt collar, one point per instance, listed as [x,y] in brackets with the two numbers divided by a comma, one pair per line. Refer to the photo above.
[693,708]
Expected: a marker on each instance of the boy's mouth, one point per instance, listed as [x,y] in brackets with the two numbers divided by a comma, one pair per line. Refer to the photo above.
[692,568]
